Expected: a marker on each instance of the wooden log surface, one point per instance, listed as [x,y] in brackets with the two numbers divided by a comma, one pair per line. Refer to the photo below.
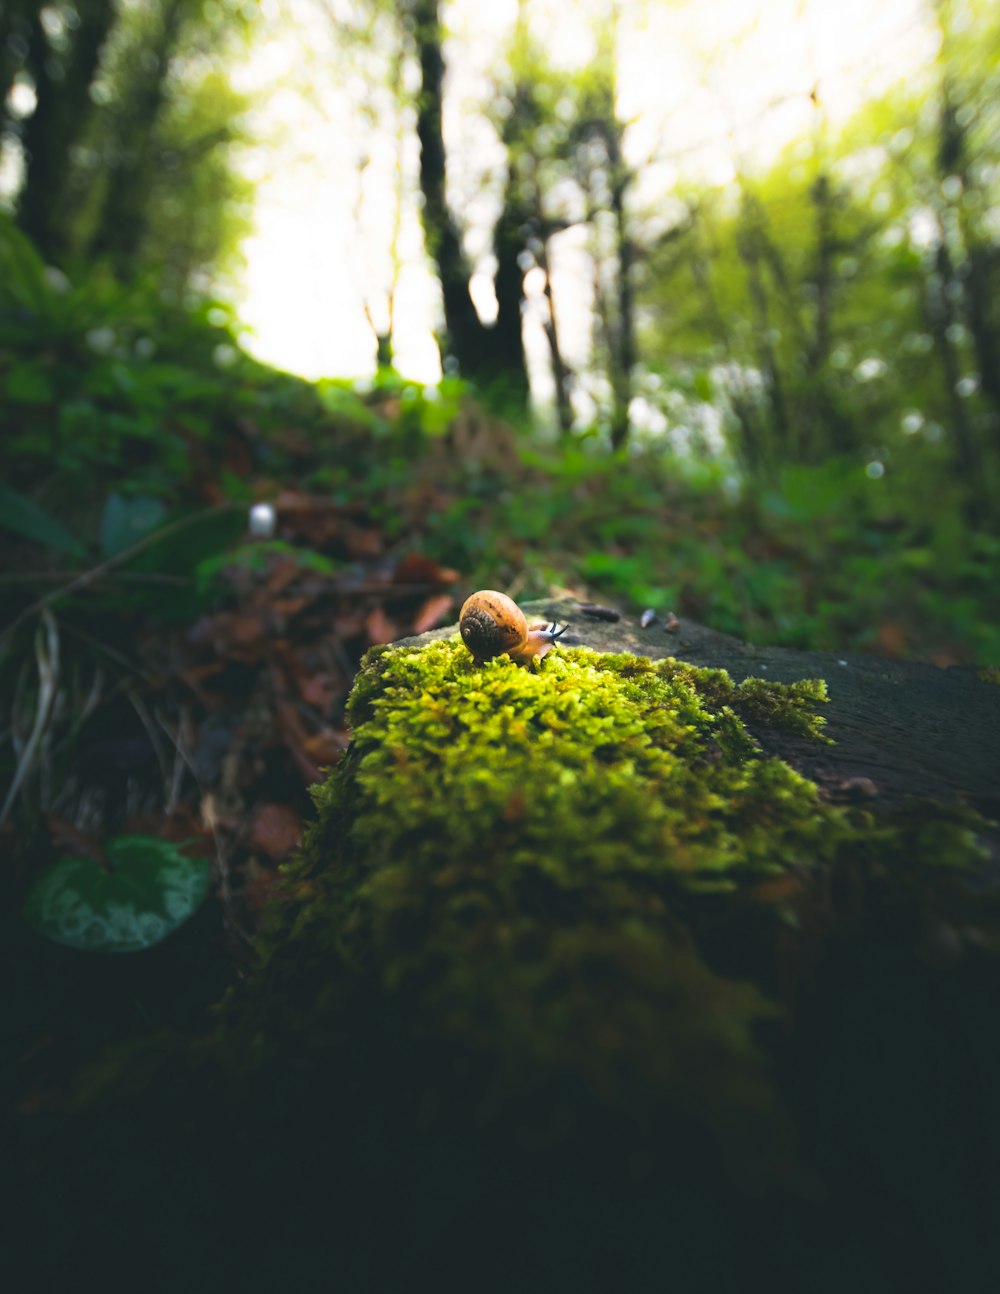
[901,730]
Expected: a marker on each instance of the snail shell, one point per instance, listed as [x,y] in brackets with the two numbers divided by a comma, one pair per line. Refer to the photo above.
[491,624]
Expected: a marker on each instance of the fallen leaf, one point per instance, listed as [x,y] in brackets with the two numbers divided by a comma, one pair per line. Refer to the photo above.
[380,628]
[318,690]
[276,829]
[891,638]
[67,837]
[326,746]
[432,612]
[417,569]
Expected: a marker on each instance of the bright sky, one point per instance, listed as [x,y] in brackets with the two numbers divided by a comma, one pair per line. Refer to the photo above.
[701,84]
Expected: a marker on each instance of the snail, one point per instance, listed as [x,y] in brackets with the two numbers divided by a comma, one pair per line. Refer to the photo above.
[491,624]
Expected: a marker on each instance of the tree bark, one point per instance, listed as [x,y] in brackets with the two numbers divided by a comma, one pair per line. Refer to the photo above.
[623,362]
[492,357]
[15,28]
[55,127]
[122,224]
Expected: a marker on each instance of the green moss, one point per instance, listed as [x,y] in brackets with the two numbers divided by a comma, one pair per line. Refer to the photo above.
[502,857]
[560,899]
[509,859]
[594,767]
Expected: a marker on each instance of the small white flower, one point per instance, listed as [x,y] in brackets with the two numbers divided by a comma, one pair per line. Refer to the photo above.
[263,521]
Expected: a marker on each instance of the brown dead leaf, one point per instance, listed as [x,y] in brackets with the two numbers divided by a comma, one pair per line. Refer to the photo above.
[891,639]
[363,542]
[295,738]
[417,569]
[68,839]
[318,690]
[432,612]
[291,606]
[325,747]
[276,829]
[182,824]
[282,570]
[380,628]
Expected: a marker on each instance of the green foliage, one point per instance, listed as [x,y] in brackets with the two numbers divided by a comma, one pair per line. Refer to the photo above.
[120,406]
[147,890]
[124,521]
[26,518]
[842,302]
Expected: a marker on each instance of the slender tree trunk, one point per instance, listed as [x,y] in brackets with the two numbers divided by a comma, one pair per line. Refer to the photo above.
[15,29]
[976,287]
[463,328]
[751,447]
[505,365]
[122,224]
[624,359]
[55,127]
[941,317]
[749,253]
[493,357]
[561,375]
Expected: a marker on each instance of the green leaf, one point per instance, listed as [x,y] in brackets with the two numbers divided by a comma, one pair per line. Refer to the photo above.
[22,270]
[26,518]
[125,520]
[27,384]
[151,889]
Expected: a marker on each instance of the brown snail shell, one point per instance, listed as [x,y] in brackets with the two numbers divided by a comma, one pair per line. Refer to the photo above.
[491,625]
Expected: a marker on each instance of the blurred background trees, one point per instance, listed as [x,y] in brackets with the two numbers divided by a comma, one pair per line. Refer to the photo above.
[123,122]
[811,332]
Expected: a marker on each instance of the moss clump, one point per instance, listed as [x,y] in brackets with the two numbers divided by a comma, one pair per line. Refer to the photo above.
[593,769]
[502,857]
[514,861]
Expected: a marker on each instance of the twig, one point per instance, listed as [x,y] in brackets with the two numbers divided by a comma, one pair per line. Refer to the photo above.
[47,656]
[154,737]
[180,740]
[124,577]
[119,559]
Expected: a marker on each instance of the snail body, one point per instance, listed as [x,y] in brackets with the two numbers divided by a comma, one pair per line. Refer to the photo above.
[492,625]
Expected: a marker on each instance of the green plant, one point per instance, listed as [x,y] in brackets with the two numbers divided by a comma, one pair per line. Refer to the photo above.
[142,892]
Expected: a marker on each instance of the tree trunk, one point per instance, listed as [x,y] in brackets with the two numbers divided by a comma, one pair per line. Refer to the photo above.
[15,30]
[55,127]
[493,357]
[941,317]
[781,428]
[122,224]
[623,361]
[561,375]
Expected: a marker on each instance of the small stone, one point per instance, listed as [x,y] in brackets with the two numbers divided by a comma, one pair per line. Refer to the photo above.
[860,788]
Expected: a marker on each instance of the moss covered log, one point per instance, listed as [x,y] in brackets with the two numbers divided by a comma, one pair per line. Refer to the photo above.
[506,855]
[575,987]
[573,887]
